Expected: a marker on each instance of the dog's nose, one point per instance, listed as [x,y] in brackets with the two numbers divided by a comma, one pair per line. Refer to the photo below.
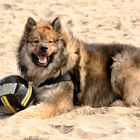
[43,48]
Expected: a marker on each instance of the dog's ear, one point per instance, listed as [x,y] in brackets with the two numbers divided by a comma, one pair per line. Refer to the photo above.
[56,24]
[30,23]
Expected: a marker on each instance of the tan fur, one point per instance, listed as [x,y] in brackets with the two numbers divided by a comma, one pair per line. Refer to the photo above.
[126,78]
[105,72]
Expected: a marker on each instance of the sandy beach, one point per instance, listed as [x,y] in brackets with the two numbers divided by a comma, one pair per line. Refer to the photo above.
[92,21]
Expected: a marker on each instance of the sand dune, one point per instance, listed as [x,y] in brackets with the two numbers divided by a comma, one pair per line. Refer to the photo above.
[92,21]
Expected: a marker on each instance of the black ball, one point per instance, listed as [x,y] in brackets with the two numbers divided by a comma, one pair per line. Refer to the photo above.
[16,94]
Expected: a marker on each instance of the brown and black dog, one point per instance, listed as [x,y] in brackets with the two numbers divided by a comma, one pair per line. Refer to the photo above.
[92,74]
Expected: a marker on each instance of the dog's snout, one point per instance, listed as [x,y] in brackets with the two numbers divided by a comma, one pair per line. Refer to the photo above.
[43,48]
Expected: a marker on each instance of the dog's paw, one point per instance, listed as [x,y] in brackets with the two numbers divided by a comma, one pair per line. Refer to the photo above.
[29,112]
[118,103]
[40,111]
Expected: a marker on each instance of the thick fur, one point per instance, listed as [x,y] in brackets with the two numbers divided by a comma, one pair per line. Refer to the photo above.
[105,72]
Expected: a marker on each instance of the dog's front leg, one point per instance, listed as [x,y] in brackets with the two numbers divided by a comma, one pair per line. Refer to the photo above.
[41,111]
[59,102]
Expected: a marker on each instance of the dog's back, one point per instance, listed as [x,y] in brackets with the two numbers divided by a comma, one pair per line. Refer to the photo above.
[110,71]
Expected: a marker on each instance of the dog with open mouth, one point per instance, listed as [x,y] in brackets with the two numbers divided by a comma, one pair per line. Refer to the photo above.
[67,71]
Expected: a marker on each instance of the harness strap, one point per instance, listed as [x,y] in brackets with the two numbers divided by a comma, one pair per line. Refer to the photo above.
[61,78]
[66,77]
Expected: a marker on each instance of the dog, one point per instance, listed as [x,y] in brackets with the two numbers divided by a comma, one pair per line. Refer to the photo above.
[67,71]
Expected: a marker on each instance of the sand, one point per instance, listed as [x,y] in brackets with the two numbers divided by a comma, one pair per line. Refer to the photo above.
[92,21]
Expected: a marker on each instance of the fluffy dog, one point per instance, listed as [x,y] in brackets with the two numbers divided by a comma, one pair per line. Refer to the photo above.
[84,74]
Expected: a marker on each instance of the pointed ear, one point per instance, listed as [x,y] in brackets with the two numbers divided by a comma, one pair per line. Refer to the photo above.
[56,24]
[30,23]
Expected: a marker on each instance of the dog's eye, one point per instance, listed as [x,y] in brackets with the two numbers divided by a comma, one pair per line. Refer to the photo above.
[51,42]
[36,41]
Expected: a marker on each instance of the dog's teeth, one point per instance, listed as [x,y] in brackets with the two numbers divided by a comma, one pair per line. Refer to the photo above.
[42,59]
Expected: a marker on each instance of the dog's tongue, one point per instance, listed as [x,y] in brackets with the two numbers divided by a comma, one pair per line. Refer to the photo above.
[42,59]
